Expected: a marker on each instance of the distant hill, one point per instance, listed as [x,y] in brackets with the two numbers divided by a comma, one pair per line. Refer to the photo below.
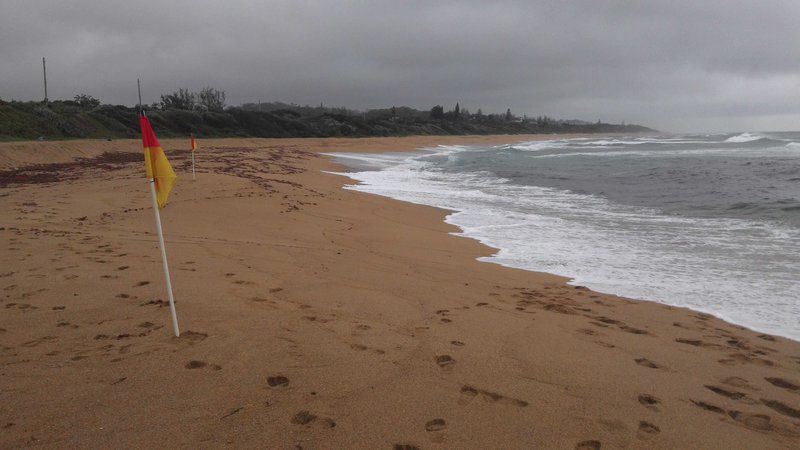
[77,119]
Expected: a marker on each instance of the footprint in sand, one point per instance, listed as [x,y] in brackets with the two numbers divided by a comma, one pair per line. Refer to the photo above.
[195,364]
[738,382]
[305,418]
[782,408]
[436,425]
[785,384]
[708,406]
[444,360]
[457,343]
[405,447]
[588,445]
[692,342]
[142,283]
[632,330]
[649,401]
[64,323]
[277,381]
[739,358]
[733,395]
[157,302]
[36,342]
[607,320]
[314,319]
[649,428]
[647,363]
[22,306]
[470,391]
[193,336]
[760,422]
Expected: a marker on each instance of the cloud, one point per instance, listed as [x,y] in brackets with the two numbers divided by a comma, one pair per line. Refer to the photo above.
[675,65]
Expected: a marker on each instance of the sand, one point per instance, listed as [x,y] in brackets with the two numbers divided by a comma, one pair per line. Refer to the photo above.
[316,317]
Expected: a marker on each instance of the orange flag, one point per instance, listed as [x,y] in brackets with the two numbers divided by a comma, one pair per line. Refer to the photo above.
[194,144]
[156,163]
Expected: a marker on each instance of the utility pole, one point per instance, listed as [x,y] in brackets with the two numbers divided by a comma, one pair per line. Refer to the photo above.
[44,74]
[139,88]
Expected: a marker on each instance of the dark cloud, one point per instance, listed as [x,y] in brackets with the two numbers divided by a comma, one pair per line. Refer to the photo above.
[672,64]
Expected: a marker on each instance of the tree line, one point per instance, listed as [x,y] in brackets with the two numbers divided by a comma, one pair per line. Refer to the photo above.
[206,114]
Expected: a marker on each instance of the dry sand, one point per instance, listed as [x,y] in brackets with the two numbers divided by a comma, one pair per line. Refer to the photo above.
[315,317]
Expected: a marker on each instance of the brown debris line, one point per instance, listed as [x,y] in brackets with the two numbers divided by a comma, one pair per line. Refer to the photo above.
[252,163]
[54,172]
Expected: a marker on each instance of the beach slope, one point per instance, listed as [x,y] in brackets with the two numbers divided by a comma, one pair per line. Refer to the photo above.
[317,317]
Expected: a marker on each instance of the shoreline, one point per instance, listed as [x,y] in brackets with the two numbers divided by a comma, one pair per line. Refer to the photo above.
[344,169]
[317,316]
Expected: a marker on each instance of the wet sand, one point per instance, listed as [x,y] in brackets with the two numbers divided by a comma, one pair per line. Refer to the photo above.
[316,317]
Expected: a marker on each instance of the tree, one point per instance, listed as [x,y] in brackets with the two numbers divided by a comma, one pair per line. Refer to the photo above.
[457,111]
[211,99]
[86,101]
[437,112]
[181,99]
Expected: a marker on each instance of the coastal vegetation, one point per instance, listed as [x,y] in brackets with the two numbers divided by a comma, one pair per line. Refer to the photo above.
[205,114]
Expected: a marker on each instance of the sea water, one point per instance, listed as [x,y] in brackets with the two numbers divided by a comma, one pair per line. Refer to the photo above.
[710,222]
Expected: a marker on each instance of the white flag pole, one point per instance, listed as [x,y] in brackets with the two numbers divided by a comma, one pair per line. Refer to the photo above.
[194,178]
[164,258]
[152,184]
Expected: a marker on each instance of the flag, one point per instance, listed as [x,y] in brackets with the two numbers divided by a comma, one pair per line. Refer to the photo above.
[156,164]
[194,144]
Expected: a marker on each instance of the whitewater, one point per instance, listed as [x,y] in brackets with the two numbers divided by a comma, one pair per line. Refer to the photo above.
[709,222]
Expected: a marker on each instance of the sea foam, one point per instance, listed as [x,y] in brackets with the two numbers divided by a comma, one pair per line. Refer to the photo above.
[714,265]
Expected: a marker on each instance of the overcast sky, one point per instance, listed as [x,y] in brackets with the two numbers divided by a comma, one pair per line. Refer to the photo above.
[675,65]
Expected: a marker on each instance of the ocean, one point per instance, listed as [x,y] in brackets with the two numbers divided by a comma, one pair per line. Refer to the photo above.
[706,221]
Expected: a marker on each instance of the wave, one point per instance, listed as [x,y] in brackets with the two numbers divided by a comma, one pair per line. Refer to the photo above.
[710,265]
[535,146]
[608,142]
[586,143]
[718,152]
[745,137]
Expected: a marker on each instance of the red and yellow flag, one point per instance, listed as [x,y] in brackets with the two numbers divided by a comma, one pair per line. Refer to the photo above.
[194,144]
[156,163]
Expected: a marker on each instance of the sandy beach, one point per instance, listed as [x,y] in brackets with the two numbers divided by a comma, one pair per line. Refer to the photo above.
[317,317]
